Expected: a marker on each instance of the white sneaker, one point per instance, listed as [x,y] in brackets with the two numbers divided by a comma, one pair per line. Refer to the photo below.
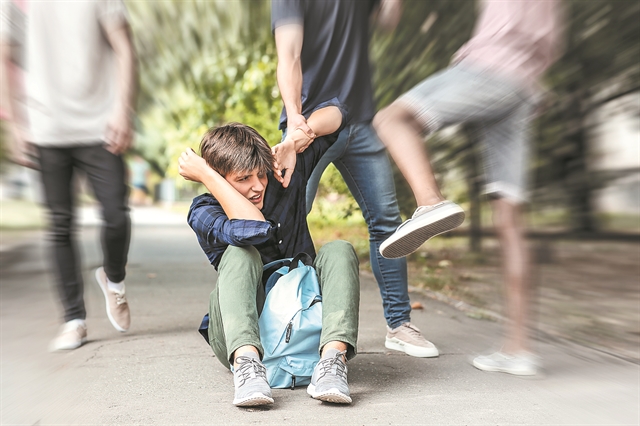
[116,303]
[522,364]
[426,222]
[408,339]
[72,335]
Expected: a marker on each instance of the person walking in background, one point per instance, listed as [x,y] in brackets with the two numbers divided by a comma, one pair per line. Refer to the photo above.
[493,82]
[80,72]
[323,54]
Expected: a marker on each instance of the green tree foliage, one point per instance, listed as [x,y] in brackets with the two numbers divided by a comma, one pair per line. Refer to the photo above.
[202,64]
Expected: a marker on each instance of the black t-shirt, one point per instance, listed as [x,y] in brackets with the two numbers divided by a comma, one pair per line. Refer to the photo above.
[335,53]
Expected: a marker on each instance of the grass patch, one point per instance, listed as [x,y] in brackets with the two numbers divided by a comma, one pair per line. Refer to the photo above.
[328,222]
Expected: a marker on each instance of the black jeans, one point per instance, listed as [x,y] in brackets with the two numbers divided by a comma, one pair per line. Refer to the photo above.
[106,173]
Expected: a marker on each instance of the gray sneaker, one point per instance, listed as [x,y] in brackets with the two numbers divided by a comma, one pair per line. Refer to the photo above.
[329,380]
[522,364]
[426,222]
[250,381]
[408,339]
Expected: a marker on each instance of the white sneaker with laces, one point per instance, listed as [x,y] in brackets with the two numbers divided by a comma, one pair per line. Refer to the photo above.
[407,338]
[116,303]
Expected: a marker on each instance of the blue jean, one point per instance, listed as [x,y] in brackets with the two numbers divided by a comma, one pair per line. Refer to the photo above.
[362,160]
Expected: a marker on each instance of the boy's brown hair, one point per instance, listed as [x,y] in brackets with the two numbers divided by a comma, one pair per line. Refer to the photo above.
[236,148]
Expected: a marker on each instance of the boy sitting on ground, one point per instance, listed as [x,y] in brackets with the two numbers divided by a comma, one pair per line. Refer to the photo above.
[250,219]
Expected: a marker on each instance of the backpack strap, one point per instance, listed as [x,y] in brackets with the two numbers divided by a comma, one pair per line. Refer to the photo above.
[302,257]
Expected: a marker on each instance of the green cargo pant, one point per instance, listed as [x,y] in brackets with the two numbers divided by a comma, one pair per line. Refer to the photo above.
[235,303]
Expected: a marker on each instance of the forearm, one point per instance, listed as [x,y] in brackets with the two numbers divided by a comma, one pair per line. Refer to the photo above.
[325,121]
[234,204]
[289,75]
[289,39]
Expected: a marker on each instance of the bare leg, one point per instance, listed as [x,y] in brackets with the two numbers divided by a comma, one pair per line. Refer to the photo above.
[507,220]
[401,134]
[340,346]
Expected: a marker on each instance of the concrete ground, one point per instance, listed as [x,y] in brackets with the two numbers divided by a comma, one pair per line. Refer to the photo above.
[162,372]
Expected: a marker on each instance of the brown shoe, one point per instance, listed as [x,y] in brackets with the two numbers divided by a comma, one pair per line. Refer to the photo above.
[117,306]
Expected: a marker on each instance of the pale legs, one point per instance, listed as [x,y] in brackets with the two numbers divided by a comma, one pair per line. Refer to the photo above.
[515,356]
[507,219]
[401,134]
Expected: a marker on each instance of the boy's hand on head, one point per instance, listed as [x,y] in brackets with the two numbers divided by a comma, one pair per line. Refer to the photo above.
[284,155]
[192,167]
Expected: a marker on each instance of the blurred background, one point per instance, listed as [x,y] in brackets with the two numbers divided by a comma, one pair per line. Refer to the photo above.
[202,64]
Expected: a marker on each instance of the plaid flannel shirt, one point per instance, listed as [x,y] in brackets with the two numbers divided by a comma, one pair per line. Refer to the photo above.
[284,233]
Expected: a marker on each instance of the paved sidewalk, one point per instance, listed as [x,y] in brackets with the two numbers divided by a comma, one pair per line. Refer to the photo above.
[162,372]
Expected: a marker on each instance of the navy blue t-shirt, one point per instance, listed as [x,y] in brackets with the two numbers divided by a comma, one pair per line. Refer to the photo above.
[335,53]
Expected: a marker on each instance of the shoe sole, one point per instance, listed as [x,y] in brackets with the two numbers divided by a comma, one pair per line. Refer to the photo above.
[411,349]
[504,370]
[253,400]
[410,237]
[106,300]
[53,348]
[332,395]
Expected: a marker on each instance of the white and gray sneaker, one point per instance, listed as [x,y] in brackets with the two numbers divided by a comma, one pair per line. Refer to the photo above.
[250,381]
[426,222]
[329,379]
[407,338]
[521,364]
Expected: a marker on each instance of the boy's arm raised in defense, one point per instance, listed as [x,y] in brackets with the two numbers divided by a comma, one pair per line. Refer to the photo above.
[235,205]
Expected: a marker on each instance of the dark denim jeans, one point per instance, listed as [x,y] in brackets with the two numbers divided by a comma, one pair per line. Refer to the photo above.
[106,173]
[364,164]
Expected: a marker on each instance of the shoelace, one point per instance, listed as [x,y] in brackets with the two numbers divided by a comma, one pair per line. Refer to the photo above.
[412,329]
[326,365]
[247,365]
[120,298]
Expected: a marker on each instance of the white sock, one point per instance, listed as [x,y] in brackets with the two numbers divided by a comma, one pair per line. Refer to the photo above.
[119,287]
[75,322]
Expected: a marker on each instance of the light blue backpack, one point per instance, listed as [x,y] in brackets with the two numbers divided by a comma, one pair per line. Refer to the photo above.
[291,322]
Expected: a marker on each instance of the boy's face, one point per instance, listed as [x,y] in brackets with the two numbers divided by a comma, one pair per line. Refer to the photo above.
[250,184]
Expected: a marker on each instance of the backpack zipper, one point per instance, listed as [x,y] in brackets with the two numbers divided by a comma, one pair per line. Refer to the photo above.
[289,328]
